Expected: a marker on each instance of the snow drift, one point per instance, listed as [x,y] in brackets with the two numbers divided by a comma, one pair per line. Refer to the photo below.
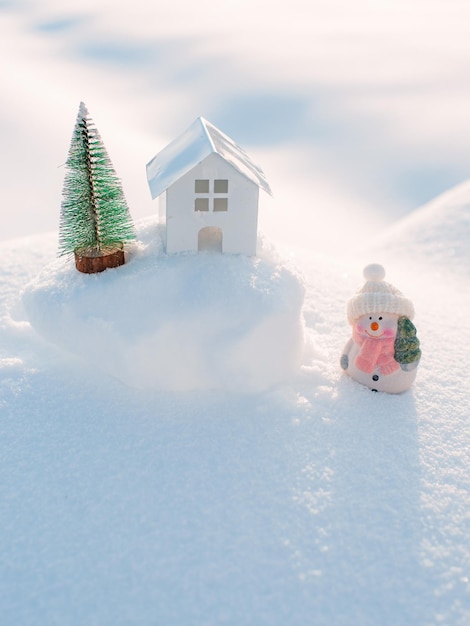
[438,232]
[176,322]
[318,498]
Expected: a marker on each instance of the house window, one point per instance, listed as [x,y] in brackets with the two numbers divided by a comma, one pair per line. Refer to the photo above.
[211,195]
[201,204]
[201,186]
[220,204]
[220,186]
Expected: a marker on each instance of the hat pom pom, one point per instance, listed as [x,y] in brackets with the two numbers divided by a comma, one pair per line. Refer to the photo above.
[374,271]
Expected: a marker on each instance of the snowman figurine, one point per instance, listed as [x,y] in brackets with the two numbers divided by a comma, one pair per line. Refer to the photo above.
[383,352]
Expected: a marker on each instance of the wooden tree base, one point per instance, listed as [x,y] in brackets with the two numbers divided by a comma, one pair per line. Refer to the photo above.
[91,262]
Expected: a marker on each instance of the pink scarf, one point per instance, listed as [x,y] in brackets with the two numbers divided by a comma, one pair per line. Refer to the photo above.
[375,353]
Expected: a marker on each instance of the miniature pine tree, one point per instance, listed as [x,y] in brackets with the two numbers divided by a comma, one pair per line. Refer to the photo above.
[407,348]
[94,216]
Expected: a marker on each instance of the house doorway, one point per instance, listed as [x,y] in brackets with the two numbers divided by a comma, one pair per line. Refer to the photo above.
[209,239]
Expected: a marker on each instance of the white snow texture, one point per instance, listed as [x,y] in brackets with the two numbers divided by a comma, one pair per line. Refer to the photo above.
[176,322]
[156,484]
[316,502]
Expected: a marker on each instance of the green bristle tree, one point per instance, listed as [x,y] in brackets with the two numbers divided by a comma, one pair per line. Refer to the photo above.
[407,350]
[94,215]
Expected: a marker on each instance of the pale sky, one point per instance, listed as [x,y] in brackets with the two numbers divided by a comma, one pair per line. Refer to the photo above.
[357,112]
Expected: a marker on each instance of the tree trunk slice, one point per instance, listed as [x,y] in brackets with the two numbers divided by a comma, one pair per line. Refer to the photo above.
[91,262]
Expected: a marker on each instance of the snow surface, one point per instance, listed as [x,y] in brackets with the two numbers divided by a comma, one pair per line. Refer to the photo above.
[177,322]
[315,502]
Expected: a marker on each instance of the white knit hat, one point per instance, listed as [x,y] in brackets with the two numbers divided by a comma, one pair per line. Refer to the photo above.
[377,296]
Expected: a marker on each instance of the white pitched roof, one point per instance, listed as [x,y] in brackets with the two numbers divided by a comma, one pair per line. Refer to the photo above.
[200,140]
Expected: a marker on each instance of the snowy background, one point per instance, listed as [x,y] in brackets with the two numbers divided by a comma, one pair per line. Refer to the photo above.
[311,502]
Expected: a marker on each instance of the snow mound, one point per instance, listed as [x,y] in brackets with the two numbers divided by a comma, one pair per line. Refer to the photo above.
[438,232]
[176,322]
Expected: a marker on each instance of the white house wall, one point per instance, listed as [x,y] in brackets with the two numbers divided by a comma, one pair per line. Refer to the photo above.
[162,215]
[239,224]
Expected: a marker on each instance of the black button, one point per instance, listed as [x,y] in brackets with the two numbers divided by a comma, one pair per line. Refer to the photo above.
[375,377]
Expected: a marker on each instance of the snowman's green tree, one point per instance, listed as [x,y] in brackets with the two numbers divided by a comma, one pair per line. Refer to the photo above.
[94,217]
[407,350]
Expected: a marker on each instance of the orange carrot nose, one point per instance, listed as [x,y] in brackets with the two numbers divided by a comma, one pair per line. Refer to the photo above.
[374,326]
